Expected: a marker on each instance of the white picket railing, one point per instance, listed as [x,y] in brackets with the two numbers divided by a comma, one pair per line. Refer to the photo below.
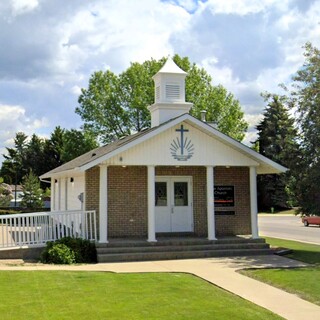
[34,229]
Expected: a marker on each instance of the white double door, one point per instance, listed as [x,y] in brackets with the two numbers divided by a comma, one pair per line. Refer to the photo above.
[173,204]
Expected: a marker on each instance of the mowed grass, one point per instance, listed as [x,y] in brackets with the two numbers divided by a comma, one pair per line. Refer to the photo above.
[305,252]
[99,295]
[301,281]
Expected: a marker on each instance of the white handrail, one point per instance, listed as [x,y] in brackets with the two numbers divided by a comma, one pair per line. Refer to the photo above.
[34,229]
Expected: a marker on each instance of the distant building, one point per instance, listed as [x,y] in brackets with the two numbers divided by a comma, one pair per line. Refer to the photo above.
[16,202]
[17,194]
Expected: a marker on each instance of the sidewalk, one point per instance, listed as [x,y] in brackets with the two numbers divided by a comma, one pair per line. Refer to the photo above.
[218,271]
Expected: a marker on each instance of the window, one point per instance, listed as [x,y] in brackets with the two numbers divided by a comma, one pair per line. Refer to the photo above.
[181,194]
[161,194]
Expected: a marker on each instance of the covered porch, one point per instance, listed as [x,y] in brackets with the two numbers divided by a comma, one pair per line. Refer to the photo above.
[137,207]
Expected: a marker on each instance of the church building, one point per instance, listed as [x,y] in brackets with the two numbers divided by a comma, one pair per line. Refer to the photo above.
[181,176]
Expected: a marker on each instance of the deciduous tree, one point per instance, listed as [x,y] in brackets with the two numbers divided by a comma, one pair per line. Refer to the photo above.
[116,105]
[305,97]
[5,194]
[76,143]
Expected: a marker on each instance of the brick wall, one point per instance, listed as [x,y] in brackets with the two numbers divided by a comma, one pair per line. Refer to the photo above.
[92,181]
[240,223]
[127,202]
[127,199]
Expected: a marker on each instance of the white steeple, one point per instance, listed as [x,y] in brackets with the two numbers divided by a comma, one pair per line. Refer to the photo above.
[169,94]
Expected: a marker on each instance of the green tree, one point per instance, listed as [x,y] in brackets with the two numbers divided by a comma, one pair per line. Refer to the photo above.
[76,143]
[305,97]
[53,149]
[13,167]
[115,105]
[34,156]
[32,193]
[42,155]
[5,194]
[277,140]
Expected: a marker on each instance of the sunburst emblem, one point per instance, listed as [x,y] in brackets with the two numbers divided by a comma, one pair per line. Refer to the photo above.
[182,149]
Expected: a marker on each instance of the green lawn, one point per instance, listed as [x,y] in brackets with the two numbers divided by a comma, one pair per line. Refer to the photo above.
[305,252]
[99,295]
[301,281]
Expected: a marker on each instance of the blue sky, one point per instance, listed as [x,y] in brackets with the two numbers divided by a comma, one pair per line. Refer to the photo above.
[49,49]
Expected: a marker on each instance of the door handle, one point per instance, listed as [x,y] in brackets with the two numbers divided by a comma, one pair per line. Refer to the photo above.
[171,210]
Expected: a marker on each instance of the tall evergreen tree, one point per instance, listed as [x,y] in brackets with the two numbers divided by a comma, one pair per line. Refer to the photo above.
[32,193]
[13,167]
[34,155]
[42,155]
[277,140]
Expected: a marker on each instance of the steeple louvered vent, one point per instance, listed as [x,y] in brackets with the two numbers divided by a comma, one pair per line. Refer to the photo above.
[172,91]
[158,92]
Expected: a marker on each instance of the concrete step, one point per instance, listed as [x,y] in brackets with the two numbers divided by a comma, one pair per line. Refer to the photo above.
[176,248]
[149,256]
[116,243]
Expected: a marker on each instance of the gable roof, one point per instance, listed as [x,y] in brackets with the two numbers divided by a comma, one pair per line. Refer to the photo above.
[101,154]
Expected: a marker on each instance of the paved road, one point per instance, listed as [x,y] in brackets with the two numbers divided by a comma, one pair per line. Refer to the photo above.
[288,227]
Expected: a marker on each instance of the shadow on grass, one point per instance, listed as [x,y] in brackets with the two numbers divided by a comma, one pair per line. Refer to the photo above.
[307,256]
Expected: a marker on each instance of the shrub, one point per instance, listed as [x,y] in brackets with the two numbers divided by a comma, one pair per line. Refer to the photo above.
[61,254]
[83,250]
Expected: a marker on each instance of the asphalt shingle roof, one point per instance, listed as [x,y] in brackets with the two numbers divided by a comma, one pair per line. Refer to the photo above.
[97,153]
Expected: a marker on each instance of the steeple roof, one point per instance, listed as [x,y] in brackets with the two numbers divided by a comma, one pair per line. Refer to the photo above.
[171,67]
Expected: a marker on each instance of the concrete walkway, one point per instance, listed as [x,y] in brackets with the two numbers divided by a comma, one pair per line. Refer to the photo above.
[218,271]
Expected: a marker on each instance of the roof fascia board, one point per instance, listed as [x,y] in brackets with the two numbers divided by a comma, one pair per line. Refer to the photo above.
[238,145]
[61,173]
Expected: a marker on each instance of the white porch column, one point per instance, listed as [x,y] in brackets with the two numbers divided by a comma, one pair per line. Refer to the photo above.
[53,195]
[253,203]
[210,204]
[62,194]
[151,205]
[59,194]
[64,183]
[103,204]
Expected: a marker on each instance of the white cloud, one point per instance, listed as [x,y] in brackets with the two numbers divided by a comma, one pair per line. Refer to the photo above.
[132,32]
[243,7]
[76,90]
[189,5]
[52,47]
[13,119]
[23,6]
